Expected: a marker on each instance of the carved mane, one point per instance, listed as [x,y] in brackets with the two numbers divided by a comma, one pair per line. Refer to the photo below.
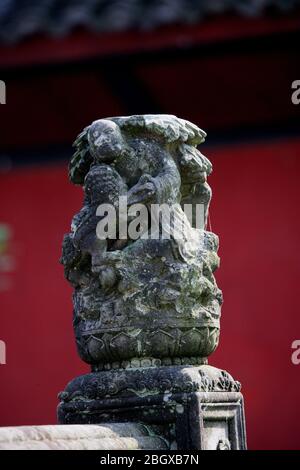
[171,128]
[81,160]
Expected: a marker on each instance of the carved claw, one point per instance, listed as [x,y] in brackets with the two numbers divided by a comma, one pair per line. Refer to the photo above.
[141,193]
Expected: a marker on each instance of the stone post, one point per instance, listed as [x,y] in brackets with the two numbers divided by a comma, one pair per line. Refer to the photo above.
[146,304]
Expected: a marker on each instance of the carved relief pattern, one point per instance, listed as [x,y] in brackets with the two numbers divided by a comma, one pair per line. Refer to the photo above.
[101,348]
[153,381]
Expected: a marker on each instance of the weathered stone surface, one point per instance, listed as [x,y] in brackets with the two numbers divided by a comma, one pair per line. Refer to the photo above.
[117,436]
[146,381]
[147,309]
[155,298]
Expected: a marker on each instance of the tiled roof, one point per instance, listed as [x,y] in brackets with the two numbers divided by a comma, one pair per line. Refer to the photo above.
[22,18]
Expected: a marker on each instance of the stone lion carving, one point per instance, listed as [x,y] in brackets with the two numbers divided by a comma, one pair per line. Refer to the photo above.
[146,297]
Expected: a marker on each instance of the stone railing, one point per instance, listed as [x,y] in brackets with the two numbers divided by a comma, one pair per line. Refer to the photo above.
[117,436]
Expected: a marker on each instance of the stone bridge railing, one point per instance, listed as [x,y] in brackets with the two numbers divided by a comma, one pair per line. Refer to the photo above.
[118,436]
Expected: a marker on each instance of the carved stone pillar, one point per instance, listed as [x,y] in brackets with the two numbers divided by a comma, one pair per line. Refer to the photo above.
[146,304]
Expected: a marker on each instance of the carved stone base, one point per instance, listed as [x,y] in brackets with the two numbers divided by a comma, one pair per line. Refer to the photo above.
[195,407]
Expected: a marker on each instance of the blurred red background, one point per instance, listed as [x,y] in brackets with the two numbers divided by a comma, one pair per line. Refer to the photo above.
[234,82]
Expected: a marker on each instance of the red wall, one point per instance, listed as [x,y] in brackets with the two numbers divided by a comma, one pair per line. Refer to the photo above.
[255,213]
